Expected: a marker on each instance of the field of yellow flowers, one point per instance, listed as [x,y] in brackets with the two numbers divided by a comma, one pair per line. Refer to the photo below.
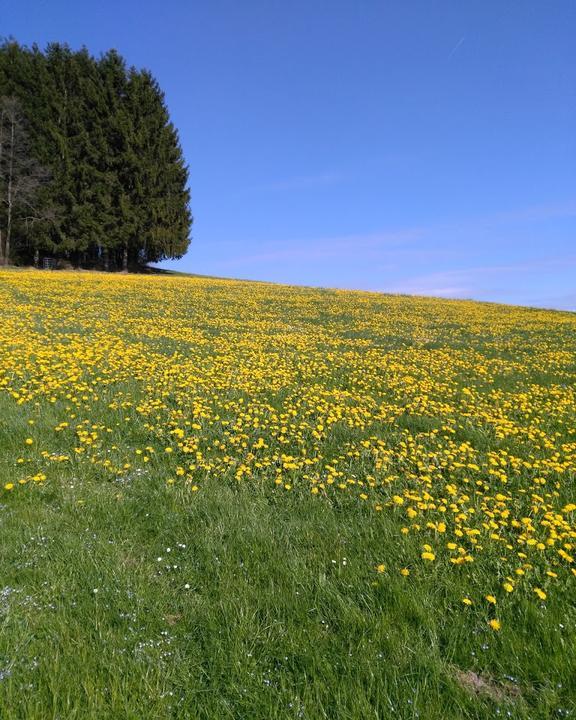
[225,499]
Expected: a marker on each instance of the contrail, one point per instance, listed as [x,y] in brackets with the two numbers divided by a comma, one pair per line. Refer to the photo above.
[455,48]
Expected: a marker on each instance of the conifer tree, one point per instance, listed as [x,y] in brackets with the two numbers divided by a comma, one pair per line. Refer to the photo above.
[156,177]
[118,194]
[21,177]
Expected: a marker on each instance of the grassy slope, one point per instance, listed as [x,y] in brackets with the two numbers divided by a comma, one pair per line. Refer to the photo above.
[138,600]
[281,618]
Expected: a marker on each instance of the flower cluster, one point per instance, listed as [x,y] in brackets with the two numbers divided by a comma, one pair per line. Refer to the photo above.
[455,420]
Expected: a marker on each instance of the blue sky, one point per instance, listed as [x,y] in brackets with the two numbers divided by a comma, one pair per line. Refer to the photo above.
[408,146]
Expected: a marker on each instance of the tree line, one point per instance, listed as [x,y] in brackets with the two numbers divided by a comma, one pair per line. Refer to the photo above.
[91,168]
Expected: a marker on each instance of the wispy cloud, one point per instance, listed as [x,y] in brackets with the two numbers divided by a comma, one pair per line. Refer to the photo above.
[409,244]
[345,248]
[559,302]
[546,211]
[478,281]
[521,256]
[301,182]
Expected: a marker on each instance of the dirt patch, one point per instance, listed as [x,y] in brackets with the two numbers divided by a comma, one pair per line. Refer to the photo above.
[172,619]
[486,686]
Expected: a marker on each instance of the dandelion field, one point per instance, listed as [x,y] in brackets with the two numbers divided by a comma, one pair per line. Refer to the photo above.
[224,499]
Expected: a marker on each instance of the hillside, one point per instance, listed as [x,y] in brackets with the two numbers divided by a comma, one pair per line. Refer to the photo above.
[226,499]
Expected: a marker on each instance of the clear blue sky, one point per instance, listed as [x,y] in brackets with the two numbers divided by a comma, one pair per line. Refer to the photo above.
[407,146]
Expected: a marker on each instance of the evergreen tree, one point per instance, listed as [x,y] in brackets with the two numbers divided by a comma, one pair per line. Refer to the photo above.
[21,179]
[155,175]
[118,194]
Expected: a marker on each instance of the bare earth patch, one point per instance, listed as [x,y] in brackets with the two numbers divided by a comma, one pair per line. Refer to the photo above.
[486,686]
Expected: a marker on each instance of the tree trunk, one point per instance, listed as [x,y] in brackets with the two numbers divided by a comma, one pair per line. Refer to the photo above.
[22,176]
[8,229]
[125,258]
[36,258]
[2,115]
[106,260]
[9,194]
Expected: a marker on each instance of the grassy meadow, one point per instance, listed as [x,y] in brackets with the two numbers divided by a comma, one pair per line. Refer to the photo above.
[233,500]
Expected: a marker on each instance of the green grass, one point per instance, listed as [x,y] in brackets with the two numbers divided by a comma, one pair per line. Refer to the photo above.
[128,598]
[136,600]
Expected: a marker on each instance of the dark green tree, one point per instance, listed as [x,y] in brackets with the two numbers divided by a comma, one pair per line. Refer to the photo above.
[154,176]
[21,181]
[118,195]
